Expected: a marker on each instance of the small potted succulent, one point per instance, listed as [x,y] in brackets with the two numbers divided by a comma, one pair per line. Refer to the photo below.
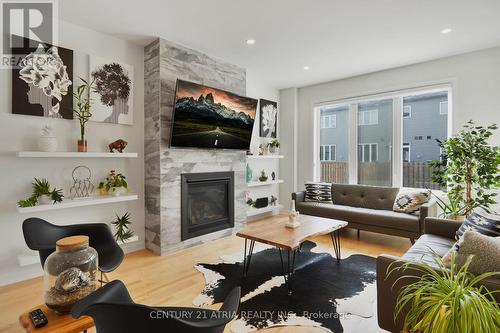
[274,146]
[116,183]
[42,194]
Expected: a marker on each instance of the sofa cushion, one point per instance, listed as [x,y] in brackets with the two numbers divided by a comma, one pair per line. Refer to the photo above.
[410,200]
[381,218]
[318,192]
[483,221]
[373,197]
[423,247]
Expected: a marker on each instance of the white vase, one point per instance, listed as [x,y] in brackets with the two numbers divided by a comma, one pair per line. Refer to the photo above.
[293,221]
[47,144]
[117,191]
[44,200]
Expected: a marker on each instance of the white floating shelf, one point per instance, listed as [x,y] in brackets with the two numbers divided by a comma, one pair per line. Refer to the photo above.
[256,157]
[269,182]
[70,203]
[61,154]
[130,240]
[257,211]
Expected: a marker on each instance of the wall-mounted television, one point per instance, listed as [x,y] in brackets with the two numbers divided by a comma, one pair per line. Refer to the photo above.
[206,117]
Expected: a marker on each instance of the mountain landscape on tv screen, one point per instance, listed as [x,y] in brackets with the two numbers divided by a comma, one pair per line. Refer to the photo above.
[211,118]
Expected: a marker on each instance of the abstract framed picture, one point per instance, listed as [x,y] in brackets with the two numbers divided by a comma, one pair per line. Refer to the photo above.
[268,118]
[112,96]
[42,84]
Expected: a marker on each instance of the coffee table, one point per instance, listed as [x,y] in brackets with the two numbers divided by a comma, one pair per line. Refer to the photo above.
[273,232]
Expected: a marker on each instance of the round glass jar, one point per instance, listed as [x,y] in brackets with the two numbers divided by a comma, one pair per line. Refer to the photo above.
[70,273]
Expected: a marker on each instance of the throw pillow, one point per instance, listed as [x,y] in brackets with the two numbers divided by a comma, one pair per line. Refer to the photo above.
[485,249]
[410,200]
[481,220]
[318,192]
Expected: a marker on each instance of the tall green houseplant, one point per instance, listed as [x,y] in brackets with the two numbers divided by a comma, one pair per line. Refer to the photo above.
[469,167]
[82,110]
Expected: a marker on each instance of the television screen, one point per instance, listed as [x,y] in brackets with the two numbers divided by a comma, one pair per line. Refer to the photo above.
[207,117]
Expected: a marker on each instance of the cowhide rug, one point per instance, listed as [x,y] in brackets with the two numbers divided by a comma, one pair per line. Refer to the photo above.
[335,296]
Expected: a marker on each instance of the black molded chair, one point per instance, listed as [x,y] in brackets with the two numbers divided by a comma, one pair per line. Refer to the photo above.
[41,236]
[114,311]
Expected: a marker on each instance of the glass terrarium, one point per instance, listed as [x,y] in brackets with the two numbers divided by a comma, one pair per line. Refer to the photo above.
[70,273]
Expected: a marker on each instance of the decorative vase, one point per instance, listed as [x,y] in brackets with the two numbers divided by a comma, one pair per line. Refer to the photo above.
[47,144]
[102,192]
[44,199]
[82,146]
[293,221]
[249,174]
[273,150]
[117,191]
[70,273]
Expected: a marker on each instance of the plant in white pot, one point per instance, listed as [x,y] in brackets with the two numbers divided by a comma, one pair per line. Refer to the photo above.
[42,194]
[274,146]
[116,184]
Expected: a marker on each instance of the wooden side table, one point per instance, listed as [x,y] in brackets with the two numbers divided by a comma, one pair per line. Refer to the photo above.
[56,322]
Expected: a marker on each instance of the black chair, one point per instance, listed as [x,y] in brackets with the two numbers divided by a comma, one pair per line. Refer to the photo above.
[41,236]
[113,311]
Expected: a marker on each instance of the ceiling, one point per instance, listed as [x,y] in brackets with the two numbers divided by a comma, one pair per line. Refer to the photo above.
[335,38]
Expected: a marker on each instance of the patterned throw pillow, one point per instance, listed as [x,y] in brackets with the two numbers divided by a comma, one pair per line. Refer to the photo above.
[318,192]
[481,220]
[410,200]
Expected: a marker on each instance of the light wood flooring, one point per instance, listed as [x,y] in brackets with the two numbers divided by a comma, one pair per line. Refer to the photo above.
[171,280]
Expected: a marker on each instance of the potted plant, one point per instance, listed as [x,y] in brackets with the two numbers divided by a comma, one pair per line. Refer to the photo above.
[82,110]
[452,206]
[263,177]
[102,189]
[274,146]
[448,301]
[116,183]
[122,231]
[469,166]
[42,194]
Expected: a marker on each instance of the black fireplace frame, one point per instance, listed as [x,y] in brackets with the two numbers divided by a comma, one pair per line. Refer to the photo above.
[188,231]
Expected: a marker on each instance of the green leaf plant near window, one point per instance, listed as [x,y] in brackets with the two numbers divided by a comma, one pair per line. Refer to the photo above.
[469,169]
[42,194]
[122,231]
[446,301]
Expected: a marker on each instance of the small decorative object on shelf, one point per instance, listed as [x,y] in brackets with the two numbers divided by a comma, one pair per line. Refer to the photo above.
[274,146]
[262,149]
[116,183]
[261,202]
[121,224]
[273,175]
[249,174]
[47,141]
[293,222]
[70,273]
[249,153]
[263,177]
[82,186]
[274,200]
[83,102]
[250,202]
[117,145]
[101,189]
[42,194]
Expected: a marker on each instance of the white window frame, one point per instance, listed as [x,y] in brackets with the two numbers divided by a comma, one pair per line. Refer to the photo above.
[323,153]
[329,121]
[407,109]
[441,107]
[406,145]
[372,116]
[363,148]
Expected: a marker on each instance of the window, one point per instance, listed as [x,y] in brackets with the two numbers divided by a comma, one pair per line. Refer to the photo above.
[367,152]
[407,111]
[368,117]
[443,107]
[327,152]
[406,152]
[329,121]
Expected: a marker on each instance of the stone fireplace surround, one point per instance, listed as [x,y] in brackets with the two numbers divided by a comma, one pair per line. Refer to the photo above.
[164,63]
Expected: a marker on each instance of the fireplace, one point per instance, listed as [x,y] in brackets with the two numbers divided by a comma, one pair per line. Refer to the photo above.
[207,203]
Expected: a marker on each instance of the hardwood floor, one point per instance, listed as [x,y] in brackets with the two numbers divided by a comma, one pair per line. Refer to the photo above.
[172,280]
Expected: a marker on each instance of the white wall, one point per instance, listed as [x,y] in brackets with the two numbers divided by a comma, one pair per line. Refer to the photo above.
[19,133]
[476,95]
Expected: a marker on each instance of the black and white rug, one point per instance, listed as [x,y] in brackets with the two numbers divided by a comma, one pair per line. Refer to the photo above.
[335,296]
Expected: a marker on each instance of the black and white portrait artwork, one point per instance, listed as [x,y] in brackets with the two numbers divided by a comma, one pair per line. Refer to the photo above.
[112,96]
[268,118]
[42,84]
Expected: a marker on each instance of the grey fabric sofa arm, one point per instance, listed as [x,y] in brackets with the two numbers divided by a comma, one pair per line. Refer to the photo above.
[426,210]
[299,196]
[441,227]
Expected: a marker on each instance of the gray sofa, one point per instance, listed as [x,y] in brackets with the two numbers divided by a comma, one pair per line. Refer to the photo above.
[368,208]
[439,237]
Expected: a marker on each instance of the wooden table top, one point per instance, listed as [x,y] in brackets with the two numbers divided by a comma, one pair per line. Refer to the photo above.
[56,322]
[274,232]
